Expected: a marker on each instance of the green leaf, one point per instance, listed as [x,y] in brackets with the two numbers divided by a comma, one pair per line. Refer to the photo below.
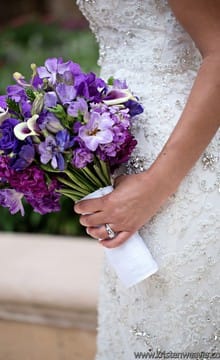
[110,80]
[13,106]
[30,94]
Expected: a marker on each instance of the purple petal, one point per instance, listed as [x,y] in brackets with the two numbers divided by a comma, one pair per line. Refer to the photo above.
[50,99]
[51,65]
[66,93]
[11,199]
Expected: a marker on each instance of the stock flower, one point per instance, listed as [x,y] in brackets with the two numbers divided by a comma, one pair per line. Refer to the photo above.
[97,131]
[47,201]
[52,149]
[8,140]
[11,199]
[82,157]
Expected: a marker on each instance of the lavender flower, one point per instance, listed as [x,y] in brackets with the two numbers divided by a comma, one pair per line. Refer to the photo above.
[82,157]
[78,107]
[55,67]
[11,199]
[97,131]
[66,93]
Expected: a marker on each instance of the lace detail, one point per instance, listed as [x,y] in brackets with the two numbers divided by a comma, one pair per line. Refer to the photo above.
[178,308]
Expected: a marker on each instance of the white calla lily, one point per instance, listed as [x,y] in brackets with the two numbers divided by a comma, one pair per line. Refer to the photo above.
[118,97]
[25,129]
[3,115]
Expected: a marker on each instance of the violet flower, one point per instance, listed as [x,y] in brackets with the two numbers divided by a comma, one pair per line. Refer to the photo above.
[8,140]
[78,107]
[97,131]
[82,157]
[24,156]
[52,149]
[11,199]
[55,67]
[66,93]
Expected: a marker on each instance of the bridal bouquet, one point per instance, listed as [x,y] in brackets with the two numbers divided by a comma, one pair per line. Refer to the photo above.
[64,133]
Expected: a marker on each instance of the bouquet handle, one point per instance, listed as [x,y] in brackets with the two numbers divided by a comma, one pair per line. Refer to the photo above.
[132,261]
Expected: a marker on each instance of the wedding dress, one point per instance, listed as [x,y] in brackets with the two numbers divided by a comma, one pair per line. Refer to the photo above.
[178,308]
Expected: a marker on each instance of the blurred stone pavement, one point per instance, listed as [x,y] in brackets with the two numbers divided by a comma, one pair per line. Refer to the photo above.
[48,297]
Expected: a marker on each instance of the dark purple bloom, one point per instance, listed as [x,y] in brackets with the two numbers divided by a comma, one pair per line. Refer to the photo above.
[77,107]
[5,170]
[8,141]
[52,149]
[11,199]
[89,86]
[31,182]
[24,157]
[82,157]
[135,108]
[66,93]
[48,201]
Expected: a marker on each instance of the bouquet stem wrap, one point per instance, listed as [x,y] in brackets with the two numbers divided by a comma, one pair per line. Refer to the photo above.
[132,260]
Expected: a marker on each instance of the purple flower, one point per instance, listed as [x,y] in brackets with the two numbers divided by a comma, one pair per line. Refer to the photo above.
[16,93]
[66,93]
[3,103]
[97,131]
[135,108]
[11,199]
[32,184]
[88,85]
[8,141]
[50,99]
[78,107]
[82,157]
[120,84]
[48,201]
[53,147]
[5,170]
[24,156]
[54,67]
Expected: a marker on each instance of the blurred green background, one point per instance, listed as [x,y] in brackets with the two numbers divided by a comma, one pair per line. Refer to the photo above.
[31,32]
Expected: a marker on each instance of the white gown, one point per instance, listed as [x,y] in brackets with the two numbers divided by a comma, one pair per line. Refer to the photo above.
[178,308]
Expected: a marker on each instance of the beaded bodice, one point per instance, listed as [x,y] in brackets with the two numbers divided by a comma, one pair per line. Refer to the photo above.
[177,308]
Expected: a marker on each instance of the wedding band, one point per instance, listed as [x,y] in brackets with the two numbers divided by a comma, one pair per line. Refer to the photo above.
[110,232]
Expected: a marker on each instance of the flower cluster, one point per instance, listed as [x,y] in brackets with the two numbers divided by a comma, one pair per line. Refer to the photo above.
[62,133]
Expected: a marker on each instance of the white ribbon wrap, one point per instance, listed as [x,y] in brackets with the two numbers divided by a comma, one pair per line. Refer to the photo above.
[132,260]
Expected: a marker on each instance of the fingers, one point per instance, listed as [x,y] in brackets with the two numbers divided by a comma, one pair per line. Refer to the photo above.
[119,239]
[98,232]
[89,206]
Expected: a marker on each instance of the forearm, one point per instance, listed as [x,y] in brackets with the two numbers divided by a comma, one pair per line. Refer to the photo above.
[194,130]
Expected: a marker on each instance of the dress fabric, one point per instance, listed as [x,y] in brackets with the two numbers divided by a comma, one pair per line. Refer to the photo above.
[178,308]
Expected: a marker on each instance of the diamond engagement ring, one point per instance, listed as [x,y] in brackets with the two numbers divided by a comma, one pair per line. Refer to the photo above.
[110,232]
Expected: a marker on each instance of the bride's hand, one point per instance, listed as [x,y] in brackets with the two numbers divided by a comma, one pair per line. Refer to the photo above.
[135,199]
